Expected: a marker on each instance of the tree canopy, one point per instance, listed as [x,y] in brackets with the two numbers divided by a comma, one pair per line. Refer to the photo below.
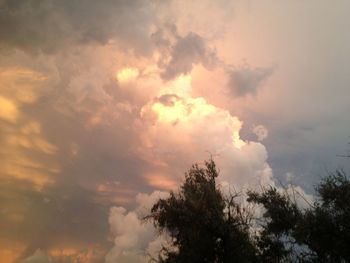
[205,225]
[320,233]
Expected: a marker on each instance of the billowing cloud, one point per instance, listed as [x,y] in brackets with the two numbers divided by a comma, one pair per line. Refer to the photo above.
[179,131]
[247,80]
[184,130]
[134,238]
[130,237]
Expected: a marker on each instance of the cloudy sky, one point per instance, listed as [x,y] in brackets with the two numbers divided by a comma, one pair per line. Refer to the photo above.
[105,104]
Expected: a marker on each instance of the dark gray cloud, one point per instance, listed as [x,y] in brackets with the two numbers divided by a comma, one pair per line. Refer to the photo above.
[184,53]
[47,26]
[247,80]
[59,214]
[168,99]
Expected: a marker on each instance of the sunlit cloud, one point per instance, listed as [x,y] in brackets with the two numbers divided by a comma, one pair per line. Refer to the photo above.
[32,127]
[21,84]
[23,150]
[10,254]
[127,74]
[24,168]
[8,110]
[179,131]
[98,115]
[160,181]
[181,86]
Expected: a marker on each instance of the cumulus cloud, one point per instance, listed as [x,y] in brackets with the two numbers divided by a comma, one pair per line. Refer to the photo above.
[133,238]
[247,80]
[180,131]
[130,236]
[177,132]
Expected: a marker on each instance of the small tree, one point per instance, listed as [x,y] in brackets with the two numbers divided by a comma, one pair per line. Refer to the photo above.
[203,225]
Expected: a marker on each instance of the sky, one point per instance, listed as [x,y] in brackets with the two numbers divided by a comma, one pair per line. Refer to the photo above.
[105,104]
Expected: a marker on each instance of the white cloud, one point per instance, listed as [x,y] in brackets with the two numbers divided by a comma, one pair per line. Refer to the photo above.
[185,130]
[261,132]
[134,238]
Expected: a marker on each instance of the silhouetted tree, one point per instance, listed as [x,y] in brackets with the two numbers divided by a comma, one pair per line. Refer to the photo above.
[204,226]
[320,233]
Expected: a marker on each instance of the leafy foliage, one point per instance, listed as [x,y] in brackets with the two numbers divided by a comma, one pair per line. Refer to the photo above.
[320,233]
[280,219]
[205,226]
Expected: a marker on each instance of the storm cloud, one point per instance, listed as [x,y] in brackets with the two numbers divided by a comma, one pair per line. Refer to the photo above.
[50,26]
[105,104]
[185,53]
[246,80]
